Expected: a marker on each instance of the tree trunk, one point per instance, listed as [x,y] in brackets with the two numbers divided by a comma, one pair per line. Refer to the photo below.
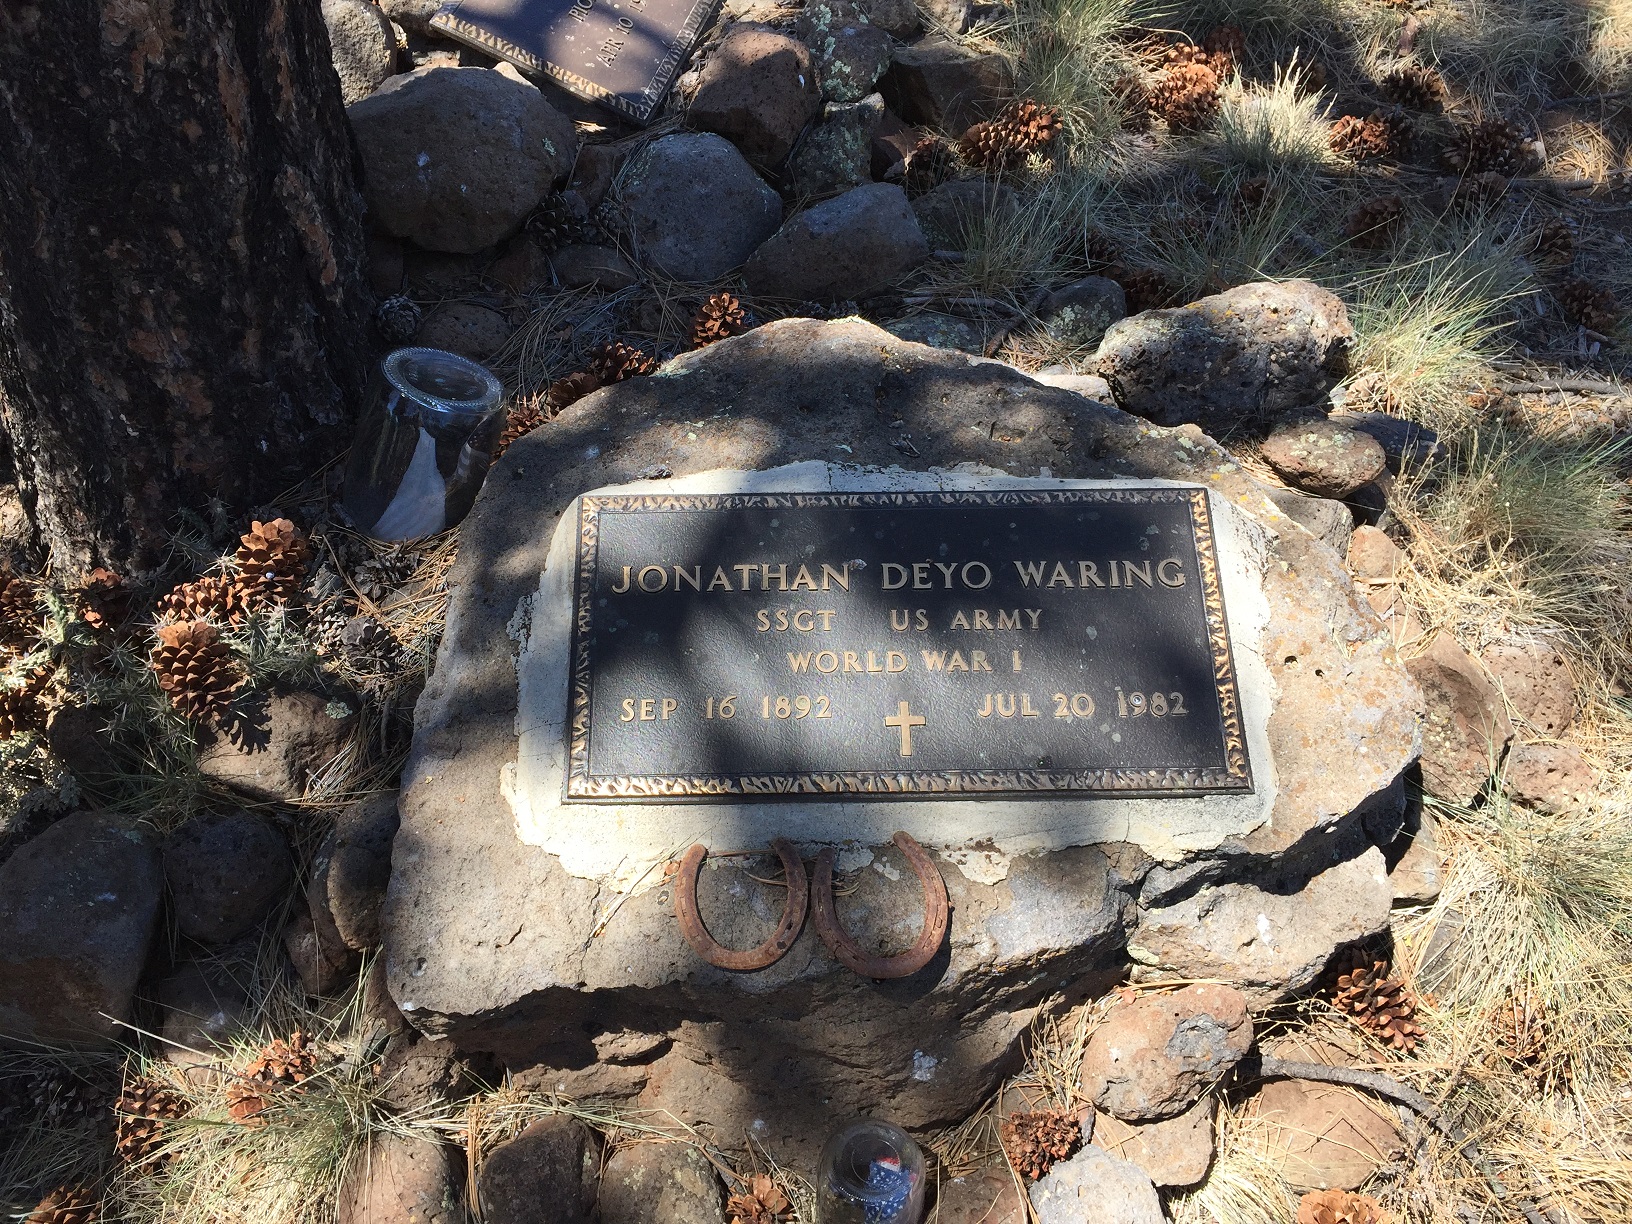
[183,309]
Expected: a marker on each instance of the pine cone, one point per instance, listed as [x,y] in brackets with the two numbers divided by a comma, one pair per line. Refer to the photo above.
[1134,96]
[553,224]
[1184,55]
[1415,86]
[143,1108]
[67,1205]
[272,561]
[20,708]
[615,361]
[1186,95]
[1023,127]
[1379,1003]
[1587,304]
[1340,1207]
[212,596]
[1098,251]
[564,392]
[761,1201]
[1379,134]
[246,1102]
[1228,41]
[1552,244]
[1479,191]
[104,600]
[397,319]
[1252,192]
[928,166]
[1523,1029]
[526,415]
[19,612]
[1489,144]
[717,318]
[1034,1141]
[1311,77]
[195,670]
[1145,289]
[284,1062]
[1373,222]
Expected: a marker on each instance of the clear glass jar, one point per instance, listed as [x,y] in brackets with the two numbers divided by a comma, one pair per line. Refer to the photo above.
[871,1172]
[424,443]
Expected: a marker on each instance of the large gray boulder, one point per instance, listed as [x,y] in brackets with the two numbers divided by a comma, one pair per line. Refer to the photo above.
[492,942]
[1246,355]
[78,908]
[362,46]
[939,84]
[696,208]
[455,158]
[758,89]
[1094,1187]
[847,247]
[224,869]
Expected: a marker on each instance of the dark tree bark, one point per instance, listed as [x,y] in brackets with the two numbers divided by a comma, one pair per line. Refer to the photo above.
[183,307]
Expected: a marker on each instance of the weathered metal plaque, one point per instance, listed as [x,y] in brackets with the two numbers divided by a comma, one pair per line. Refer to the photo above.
[623,54]
[978,643]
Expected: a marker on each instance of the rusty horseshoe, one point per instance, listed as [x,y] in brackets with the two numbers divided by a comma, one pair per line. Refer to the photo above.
[849,952]
[767,953]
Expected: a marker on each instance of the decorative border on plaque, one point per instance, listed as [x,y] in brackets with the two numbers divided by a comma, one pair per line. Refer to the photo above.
[1236,774]
[448,21]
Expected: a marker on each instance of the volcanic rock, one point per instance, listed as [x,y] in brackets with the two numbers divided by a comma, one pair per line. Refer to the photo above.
[362,46]
[1466,728]
[941,85]
[1155,1056]
[758,89]
[224,869]
[844,248]
[696,208]
[1094,1187]
[1324,459]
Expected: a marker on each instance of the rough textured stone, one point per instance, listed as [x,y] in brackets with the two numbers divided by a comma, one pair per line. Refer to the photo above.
[660,1183]
[1330,522]
[1405,443]
[954,213]
[1549,777]
[758,90]
[78,905]
[1416,867]
[1094,1187]
[836,154]
[1172,1152]
[898,18]
[412,15]
[1536,680]
[580,265]
[386,265]
[1248,354]
[1465,726]
[353,867]
[1322,458]
[990,1197]
[851,53]
[205,1008]
[455,158]
[293,737]
[593,172]
[466,328]
[224,870]
[417,1075]
[942,85]
[1272,941]
[396,1180]
[1155,1056]
[725,1049]
[322,962]
[941,331]
[847,247]
[362,45]
[1089,386]
[951,15]
[1373,557]
[696,208]
[521,267]
[546,1172]
[1326,1137]
[1076,315]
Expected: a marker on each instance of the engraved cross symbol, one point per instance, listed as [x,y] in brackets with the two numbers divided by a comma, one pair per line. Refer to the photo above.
[905,720]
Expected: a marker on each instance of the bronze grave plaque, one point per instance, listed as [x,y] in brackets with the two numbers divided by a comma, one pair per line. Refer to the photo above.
[1046,643]
[623,54]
